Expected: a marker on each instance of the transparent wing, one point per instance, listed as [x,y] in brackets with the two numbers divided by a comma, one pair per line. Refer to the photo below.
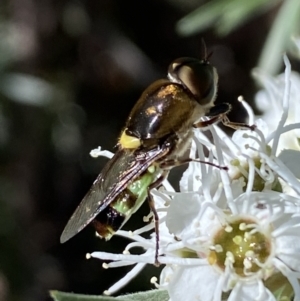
[125,166]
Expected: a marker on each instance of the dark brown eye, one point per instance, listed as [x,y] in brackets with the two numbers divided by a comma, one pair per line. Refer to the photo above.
[199,77]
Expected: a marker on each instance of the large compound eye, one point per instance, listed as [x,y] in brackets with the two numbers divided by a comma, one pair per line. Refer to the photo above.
[199,77]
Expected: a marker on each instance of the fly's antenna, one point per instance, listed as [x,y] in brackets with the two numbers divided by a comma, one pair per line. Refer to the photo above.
[205,56]
[204,50]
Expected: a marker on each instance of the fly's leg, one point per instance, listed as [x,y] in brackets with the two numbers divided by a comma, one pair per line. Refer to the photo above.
[219,113]
[152,207]
[166,165]
[216,114]
[206,123]
[219,109]
[237,125]
[173,163]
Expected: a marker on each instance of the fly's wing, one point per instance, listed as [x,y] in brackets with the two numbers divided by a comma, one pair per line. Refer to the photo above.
[123,168]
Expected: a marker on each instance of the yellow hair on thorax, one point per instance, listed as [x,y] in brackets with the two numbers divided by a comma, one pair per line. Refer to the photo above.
[127,141]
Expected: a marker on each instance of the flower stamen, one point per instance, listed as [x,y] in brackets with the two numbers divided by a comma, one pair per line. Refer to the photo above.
[244,248]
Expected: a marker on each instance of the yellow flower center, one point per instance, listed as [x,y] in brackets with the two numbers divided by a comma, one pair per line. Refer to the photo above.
[242,245]
[258,181]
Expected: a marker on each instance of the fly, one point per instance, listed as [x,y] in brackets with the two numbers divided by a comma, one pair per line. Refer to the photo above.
[157,133]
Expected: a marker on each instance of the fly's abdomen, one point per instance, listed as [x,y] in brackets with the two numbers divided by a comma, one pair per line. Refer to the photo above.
[116,214]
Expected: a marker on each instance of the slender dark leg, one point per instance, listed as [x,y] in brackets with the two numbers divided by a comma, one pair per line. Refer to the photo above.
[152,207]
[237,125]
[174,163]
[206,123]
[165,165]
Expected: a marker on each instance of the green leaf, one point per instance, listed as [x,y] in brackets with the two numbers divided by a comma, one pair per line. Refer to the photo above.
[200,19]
[284,27]
[224,15]
[153,295]
[61,296]
[239,12]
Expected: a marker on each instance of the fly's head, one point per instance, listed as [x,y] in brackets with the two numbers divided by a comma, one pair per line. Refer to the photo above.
[198,77]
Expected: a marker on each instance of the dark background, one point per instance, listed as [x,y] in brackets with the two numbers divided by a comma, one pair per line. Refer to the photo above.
[70,71]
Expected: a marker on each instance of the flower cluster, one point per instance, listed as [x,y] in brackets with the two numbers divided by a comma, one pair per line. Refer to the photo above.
[232,235]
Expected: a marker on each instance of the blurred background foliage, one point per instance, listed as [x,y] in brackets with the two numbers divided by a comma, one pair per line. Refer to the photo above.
[70,71]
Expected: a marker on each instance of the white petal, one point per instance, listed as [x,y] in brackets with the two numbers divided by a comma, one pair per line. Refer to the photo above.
[288,251]
[285,224]
[193,283]
[191,178]
[255,291]
[291,158]
[166,274]
[183,210]
[241,139]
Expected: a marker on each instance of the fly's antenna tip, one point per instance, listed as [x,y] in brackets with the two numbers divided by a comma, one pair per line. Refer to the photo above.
[205,55]
[204,49]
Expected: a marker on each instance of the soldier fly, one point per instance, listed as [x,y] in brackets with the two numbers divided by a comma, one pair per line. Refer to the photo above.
[157,133]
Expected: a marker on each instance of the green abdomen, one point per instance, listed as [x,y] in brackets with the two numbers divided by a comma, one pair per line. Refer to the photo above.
[116,214]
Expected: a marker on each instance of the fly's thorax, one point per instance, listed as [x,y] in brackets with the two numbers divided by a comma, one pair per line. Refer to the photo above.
[116,214]
[200,111]
[185,135]
[164,108]
[182,146]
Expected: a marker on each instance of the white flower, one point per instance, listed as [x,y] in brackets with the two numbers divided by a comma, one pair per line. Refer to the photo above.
[149,245]
[269,101]
[253,166]
[230,235]
[238,249]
